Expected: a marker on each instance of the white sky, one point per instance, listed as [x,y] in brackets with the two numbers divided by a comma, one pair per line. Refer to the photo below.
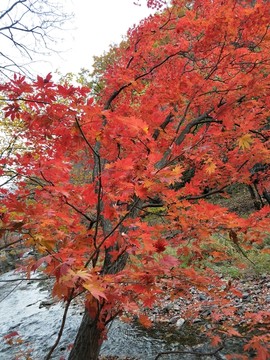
[97,24]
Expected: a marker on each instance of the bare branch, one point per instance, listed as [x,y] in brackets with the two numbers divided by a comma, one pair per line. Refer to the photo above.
[25,279]
[11,291]
[27,28]
[62,326]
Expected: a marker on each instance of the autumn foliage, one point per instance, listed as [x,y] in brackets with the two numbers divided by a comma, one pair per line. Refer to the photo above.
[189,93]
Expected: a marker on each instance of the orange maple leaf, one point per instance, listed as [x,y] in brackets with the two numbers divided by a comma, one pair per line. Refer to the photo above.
[145,321]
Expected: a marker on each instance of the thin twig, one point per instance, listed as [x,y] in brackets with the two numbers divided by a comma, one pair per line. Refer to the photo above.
[24,279]
[10,244]
[99,191]
[26,100]
[11,291]
[62,326]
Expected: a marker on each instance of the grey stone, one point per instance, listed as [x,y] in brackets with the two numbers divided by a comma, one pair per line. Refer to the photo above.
[174,319]
[197,320]
[245,295]
[180,322]
[202,297]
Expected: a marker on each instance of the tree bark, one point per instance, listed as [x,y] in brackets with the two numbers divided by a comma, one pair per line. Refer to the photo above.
[89,337]
[88,340]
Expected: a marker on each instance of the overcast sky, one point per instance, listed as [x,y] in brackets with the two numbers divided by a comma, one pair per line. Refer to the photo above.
[96,25]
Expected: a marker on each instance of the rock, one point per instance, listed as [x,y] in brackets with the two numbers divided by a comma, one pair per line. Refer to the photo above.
[179,323]
[168,307]
[174,319]
[47,303]
[239,306]
[257,291]
[205,312]
[245,295]
[220,356]
[197,320]
[202,297]
[176,307]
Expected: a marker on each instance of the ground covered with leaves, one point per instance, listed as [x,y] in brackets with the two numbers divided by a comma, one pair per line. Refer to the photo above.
[253,300]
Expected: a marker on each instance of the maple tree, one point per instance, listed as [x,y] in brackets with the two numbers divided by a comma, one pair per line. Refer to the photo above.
[188,94]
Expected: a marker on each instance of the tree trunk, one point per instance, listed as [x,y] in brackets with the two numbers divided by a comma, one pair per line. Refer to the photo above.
[255,197]
[89,337]
[88,340]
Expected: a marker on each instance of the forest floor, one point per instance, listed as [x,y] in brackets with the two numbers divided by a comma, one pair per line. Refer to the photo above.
[255,298]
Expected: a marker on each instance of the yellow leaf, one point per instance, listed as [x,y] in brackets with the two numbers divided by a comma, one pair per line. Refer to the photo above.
[95,289]
[83,274]
[245,141]
[178,170]
[211,167]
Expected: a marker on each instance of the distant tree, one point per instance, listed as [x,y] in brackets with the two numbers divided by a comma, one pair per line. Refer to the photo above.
[27,29]
[186,101]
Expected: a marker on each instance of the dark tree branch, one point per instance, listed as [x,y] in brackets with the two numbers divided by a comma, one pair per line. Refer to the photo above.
[25,100]
[7,181]
[79,212]
[10,244]
[112,231]
[202,196]
[117,92]
[99,186]
[202,119]
[183,117]
[163,126]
